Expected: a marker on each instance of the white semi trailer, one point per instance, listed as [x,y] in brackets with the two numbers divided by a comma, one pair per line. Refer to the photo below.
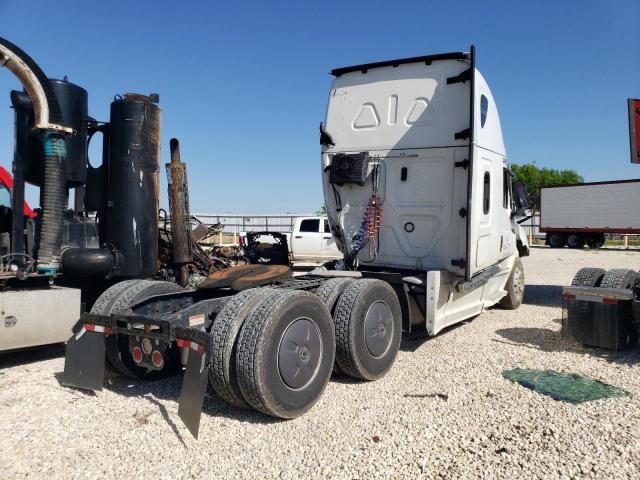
[420,203]
[576,215]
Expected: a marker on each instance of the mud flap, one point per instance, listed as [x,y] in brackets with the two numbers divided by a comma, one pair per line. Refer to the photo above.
[84,361]
[194,385]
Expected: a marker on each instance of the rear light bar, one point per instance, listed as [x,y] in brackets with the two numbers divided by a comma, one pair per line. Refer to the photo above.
[591,298]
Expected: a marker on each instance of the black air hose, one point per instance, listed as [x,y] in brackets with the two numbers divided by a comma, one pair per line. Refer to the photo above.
[54,196]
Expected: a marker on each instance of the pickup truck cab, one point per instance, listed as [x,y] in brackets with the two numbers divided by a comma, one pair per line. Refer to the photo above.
[311,239]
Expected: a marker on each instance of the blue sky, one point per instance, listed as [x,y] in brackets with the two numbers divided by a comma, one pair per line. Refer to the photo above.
[243,85]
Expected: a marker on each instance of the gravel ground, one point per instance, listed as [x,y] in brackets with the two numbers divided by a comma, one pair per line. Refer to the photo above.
[444,411]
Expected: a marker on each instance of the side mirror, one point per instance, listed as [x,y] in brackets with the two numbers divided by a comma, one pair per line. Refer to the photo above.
[520,197]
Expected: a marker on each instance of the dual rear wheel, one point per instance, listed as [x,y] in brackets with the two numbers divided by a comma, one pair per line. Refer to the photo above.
[119,298]
[274,350]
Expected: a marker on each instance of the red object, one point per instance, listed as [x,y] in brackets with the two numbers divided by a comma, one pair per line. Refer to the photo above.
[137,354]
[156,359]
[6,180]
[189,344]
[92,327]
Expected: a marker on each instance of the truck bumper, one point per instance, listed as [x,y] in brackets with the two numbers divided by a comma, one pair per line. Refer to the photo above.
[85,355]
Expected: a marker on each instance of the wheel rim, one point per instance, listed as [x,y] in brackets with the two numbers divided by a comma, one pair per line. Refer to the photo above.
[299,353]
[573,241]
[378,329]
[518,282]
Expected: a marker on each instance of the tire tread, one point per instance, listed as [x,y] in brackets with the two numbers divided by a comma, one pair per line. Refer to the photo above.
[251,335]
[618,278]
[342,319]
[588,277]
[235,312]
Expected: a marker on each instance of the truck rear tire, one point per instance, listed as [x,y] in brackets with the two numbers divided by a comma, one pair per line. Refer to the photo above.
[329,292]
[514,287]
[103,304]
[285,353]
[117,345]
[368,322]
[588,277]
[618,278]
[576,241]
[556,240]
[225,330]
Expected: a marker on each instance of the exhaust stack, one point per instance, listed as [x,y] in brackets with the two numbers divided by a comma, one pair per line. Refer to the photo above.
[179,213]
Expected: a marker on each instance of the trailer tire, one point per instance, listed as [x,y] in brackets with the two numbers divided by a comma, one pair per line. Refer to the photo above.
[515,287]
[117,345]
[575,241]
[556,240]
[618,278]
[596,240]
[286,382]
[588,277]
[368,322]
[225,331]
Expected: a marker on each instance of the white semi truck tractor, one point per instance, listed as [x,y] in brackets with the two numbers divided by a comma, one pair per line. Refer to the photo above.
[421,205]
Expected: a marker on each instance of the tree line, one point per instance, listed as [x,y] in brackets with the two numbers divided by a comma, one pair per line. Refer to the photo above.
[534,177]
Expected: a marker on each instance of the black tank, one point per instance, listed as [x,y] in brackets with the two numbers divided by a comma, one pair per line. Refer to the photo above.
[73,105]
[132,183]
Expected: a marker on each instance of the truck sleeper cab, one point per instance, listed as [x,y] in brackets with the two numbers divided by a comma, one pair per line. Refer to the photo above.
[415,181]
[419,203]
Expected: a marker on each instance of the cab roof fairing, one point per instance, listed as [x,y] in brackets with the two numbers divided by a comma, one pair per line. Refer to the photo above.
[488,133]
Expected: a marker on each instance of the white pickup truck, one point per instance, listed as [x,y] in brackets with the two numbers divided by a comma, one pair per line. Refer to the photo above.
[311,239]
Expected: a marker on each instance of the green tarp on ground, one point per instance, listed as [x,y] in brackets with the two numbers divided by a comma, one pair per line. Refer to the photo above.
[567,387]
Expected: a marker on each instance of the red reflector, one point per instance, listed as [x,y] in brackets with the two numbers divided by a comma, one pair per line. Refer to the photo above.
[610,301]
[137,354]
[183,343]
[108,330]
[89,327]
[156,359]
[569,296]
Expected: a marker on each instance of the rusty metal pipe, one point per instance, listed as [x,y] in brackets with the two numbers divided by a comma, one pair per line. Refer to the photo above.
[179,213]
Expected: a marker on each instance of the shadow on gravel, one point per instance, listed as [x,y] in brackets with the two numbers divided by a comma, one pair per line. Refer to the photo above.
[419,336]
[165,415]
[547,340]
[543,295]
[59,376]
[31,355]
[169,389]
